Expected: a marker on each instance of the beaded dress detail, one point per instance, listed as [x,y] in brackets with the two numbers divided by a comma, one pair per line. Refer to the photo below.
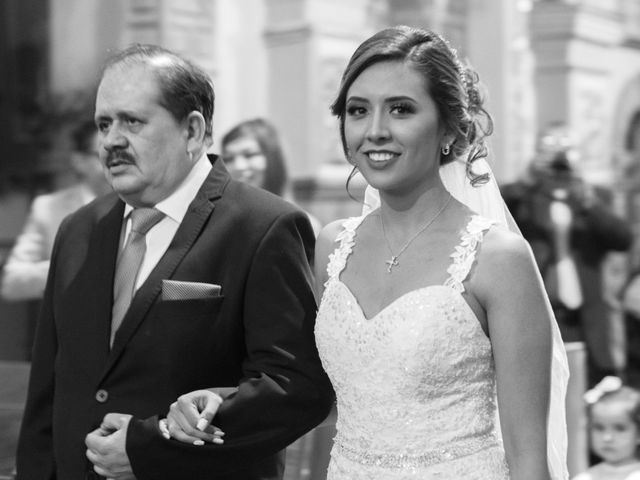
[415,384]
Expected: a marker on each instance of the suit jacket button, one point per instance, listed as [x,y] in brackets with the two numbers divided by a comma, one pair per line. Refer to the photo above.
[102,396]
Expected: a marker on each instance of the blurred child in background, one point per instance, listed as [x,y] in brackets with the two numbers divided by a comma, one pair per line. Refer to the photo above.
[614,426]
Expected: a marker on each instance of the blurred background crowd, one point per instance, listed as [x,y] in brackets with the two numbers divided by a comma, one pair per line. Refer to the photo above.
[563,86]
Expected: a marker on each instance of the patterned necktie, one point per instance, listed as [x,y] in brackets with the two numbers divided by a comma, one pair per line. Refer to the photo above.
[129,261]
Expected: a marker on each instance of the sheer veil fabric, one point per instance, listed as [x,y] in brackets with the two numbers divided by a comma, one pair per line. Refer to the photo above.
[486,200]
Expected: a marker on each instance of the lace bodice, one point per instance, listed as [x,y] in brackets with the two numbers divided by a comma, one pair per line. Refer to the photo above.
[415,384]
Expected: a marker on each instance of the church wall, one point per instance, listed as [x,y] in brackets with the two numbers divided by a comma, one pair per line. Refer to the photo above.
[283,58]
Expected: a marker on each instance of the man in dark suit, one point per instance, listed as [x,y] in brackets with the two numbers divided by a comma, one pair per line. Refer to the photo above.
[222,298]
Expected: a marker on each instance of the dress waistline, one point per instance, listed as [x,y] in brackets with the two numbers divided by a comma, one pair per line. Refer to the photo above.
[405,460]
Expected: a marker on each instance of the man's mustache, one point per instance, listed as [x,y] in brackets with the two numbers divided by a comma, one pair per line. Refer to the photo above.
[119,156]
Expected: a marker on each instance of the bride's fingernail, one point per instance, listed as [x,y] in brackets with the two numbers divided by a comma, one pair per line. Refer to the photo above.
[202,424]
[217,440]
[198,442]
[164,429]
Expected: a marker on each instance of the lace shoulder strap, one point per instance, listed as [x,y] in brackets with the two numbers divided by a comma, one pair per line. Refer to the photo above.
[345,241]
[465,252]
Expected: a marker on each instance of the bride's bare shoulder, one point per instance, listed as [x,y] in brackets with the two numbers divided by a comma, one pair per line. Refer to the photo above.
[500,242]
[505,255]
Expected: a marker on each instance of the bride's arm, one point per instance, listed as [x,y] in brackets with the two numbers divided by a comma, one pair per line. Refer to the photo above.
[519,316]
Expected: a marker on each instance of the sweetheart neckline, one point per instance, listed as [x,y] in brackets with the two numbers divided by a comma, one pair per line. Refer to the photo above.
[404,295]
[455,293]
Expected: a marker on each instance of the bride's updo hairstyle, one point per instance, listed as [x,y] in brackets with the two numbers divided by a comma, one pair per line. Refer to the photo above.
[453,87]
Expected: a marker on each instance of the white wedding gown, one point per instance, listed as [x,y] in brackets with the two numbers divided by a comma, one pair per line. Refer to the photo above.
[415,384]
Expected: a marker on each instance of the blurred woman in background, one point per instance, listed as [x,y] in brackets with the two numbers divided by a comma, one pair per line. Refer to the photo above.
[253,154]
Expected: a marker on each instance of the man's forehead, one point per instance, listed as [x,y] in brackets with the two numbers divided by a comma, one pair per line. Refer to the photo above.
[130,87]
[131,80]
[146,65]
[124,70]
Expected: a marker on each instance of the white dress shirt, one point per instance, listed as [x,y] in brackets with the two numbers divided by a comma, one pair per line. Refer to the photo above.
[174,207]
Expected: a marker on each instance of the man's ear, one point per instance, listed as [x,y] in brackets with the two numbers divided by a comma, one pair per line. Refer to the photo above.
[196,131]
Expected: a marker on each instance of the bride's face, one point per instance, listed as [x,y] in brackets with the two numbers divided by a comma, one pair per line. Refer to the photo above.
[392,128]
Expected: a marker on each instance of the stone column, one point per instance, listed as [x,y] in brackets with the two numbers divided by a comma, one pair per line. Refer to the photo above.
[572,41]
[498,48]
[184,26]
[308,45]
[447,17]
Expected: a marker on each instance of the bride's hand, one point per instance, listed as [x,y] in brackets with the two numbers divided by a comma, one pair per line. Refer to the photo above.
[189,418]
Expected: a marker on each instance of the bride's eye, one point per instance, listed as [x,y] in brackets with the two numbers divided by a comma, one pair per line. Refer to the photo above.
[402,109]
[356,110]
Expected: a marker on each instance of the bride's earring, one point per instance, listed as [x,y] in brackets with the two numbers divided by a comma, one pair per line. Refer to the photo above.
[446,149]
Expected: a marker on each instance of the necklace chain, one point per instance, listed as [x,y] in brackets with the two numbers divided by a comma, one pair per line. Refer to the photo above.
[393,261]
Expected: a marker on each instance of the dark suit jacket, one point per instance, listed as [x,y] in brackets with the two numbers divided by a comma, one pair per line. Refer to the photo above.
[257,335]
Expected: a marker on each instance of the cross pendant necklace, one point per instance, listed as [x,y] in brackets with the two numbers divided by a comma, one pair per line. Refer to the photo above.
[393,261]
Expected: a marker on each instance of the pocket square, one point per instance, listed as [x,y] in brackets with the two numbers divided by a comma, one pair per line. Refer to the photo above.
[180,290]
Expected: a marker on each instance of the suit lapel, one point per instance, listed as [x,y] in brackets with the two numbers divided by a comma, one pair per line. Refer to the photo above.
[188,231]
[104,248]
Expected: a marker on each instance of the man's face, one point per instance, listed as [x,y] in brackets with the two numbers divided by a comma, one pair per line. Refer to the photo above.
[143,148]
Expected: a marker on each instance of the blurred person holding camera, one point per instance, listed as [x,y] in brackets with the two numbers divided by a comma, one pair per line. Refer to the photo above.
[572,231]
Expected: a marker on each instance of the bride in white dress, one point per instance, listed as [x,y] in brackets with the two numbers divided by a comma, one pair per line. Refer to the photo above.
[433,326]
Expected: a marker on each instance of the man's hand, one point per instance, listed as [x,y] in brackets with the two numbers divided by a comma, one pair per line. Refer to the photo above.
[106,448]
